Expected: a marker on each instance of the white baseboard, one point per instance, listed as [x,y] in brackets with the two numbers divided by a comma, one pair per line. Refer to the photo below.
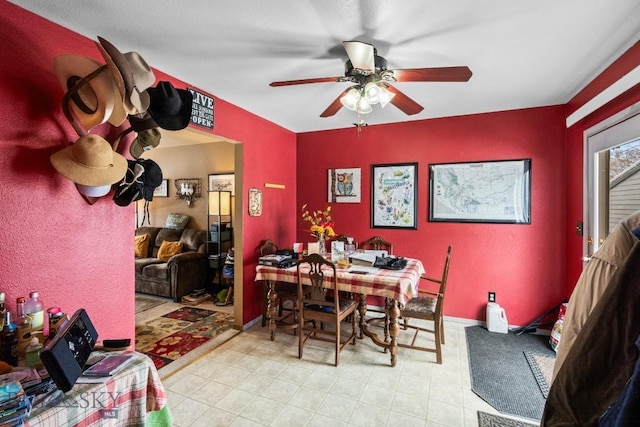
[459,320]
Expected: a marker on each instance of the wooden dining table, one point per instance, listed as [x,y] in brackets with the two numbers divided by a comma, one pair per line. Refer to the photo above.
[395,286]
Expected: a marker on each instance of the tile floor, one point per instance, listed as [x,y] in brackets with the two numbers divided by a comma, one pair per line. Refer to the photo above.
[252,381]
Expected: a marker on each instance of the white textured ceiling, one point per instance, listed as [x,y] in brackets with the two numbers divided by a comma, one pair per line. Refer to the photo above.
[522,53]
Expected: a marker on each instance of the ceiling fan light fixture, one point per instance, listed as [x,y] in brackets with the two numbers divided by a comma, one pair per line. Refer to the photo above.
[351,98]
[385,96]
[372,92]
[363,107]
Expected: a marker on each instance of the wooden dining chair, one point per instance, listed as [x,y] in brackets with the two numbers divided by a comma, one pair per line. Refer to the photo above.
[428,305]
[286,291]
[319,304]
[377,243]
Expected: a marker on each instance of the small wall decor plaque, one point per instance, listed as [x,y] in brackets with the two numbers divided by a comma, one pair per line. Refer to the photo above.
[255,202]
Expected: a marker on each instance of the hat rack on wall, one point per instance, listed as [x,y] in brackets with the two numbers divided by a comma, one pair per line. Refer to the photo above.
[120,89]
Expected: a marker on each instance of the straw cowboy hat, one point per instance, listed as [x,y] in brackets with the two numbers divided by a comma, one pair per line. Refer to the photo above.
[97,100]
[90,162]
[170,107]
[132,74]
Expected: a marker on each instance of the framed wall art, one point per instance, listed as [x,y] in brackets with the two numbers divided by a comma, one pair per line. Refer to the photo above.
[223,182]
[394,197]
[494,191]
[344,185]
[188,189]
[162,190]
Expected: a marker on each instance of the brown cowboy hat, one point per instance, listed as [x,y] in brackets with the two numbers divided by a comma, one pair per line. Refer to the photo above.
[90,161]
[132,75]
[97,100]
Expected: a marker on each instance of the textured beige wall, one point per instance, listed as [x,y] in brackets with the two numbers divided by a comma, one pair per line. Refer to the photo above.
[189,161]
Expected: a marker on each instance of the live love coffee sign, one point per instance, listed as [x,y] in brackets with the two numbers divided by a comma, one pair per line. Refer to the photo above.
[201,109]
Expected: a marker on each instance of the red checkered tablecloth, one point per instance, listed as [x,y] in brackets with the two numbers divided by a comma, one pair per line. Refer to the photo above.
[400,285]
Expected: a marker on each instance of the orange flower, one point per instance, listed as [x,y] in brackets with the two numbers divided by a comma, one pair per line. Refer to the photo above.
[321,222]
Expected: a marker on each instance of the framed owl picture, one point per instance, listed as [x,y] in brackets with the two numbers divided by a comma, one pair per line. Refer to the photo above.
[344,185]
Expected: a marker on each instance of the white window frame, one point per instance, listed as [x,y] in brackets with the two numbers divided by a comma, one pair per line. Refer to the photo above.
[618,129]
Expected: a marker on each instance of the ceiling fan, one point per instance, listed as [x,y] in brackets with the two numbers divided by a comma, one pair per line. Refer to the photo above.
[373,81]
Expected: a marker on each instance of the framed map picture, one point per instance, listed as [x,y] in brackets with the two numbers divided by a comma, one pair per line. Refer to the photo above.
[495,191]
[394,195]
[344,185]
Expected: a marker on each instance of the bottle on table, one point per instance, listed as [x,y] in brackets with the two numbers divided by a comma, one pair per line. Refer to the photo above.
[35,309]
[23,325]
[32,354]
[2,309]
[9,341]
[350,247]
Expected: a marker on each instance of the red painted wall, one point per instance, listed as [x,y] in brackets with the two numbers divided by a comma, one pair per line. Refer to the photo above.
[523,264]
[575,145]
[79,255]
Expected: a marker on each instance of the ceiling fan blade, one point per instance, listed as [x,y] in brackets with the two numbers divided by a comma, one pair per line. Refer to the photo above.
[437,74]
[334,107]
[305,81]
[403,102]
[360,54]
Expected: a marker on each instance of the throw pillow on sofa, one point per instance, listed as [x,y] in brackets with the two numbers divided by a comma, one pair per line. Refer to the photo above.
[177,221]
[169,249]
[142,245]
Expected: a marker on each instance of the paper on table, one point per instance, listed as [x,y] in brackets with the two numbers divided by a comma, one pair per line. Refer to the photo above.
[362,258]
[376,252]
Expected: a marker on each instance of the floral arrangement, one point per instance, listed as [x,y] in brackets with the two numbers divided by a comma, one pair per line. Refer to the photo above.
[321,223]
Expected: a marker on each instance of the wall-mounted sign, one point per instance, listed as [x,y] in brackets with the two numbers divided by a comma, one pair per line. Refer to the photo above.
[202,109]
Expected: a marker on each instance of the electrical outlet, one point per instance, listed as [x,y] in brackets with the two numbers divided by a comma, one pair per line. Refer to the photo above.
[492,297]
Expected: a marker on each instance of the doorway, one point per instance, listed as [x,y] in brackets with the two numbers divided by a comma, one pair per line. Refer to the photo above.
[193,154]
[612,174]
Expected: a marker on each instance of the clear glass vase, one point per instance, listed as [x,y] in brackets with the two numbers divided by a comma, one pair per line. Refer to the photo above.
[322,247]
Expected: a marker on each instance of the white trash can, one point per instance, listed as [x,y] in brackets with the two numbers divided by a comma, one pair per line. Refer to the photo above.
[496,318]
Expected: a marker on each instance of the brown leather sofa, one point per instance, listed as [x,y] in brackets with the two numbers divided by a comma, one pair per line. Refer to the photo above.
[182,273]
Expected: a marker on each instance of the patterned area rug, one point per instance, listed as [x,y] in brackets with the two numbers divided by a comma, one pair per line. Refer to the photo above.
[542,368]
[490,420]
[180,334]
[146,303]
